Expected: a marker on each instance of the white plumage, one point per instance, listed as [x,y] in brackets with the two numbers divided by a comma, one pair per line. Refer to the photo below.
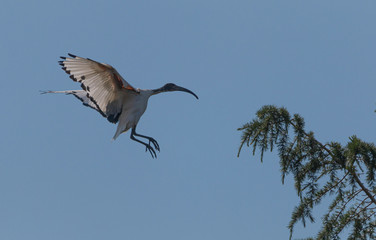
[114,98]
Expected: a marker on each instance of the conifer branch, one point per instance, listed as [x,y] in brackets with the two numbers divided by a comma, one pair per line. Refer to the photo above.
[366,191]
[334,186]
[310,161]
[348,200]
[352,172]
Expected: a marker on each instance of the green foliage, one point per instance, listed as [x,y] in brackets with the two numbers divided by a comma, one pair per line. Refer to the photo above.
[344,174]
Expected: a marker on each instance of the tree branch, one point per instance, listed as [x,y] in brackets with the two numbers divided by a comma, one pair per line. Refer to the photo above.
[348,200]
[366,191]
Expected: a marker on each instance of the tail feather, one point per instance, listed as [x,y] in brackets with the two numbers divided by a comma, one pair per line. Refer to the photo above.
[82,96]
[66,92]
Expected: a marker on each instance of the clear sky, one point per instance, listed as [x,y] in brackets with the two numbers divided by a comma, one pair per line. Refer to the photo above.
[62,178]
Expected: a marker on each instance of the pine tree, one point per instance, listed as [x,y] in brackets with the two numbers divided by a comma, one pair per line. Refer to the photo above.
[343,174]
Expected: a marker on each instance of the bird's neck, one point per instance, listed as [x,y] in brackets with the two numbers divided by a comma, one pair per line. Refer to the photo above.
[157,91]
[147,92]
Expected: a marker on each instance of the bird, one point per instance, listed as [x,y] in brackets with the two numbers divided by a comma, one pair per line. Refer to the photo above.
[107,92]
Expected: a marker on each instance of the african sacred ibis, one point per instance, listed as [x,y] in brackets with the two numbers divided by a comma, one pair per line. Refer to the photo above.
[114,98]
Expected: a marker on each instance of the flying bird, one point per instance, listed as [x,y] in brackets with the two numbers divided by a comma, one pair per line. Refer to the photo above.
[104,90]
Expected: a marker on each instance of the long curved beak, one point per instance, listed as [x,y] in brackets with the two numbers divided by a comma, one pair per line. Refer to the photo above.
[178,88]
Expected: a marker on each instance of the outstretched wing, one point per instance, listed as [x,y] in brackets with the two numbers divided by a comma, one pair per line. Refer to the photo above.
[102,83]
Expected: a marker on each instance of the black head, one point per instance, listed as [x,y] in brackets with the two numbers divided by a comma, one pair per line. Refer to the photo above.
[170,87]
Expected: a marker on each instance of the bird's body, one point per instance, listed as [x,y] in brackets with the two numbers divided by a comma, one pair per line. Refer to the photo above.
[134,106]
[114,98]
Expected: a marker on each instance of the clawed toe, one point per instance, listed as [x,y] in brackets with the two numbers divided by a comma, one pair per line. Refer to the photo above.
[151,150]
[147,145]
[155,143]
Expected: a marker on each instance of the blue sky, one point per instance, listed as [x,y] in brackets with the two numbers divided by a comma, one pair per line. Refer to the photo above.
[61,177]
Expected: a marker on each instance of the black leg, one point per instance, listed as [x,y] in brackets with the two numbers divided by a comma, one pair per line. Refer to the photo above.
[148,147]
[151,140]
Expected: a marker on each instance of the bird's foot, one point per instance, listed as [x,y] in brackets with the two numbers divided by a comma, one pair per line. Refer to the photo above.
[155,143]
[151,150]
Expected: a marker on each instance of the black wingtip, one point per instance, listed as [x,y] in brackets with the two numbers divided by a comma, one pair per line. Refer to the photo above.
[73,78]
[61,63]
[83,87]
[63,57]
[72,55]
